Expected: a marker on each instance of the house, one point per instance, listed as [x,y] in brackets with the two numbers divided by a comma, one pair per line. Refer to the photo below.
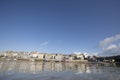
[23,54]
[80,56]
[59,57]
[40,56]
[1,54]
[49,57]
[8,54]
[71,57]
[34,55]
[54,57]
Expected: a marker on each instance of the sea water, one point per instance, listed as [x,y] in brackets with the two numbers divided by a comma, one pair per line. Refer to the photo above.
[25,70]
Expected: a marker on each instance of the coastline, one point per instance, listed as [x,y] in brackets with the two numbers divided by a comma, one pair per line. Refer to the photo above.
[42,60]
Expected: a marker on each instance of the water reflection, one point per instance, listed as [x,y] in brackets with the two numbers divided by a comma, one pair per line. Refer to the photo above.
[48,67]
[24,70]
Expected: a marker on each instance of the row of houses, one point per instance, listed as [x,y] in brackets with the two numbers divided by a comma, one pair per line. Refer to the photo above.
[44,56]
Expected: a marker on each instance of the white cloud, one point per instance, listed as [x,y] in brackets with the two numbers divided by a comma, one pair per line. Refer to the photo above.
[111,50]
[77,53]
[110,45]
[86,53]
[109,40]
[44,43]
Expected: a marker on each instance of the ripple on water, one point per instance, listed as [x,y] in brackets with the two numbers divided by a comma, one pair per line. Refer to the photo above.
[23,70]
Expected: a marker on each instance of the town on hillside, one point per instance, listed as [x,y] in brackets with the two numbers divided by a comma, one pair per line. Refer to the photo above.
[55,57]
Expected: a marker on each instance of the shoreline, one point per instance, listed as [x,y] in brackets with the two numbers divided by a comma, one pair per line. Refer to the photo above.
[41,60]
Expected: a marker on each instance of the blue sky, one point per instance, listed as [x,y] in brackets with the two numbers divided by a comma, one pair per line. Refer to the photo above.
[63,26]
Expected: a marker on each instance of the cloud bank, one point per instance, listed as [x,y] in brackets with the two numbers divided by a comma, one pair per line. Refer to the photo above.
[110,46]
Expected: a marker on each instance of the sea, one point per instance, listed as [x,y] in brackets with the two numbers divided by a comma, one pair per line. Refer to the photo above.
[28,70]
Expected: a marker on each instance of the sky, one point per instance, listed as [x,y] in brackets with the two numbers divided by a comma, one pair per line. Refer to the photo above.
[58,26]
